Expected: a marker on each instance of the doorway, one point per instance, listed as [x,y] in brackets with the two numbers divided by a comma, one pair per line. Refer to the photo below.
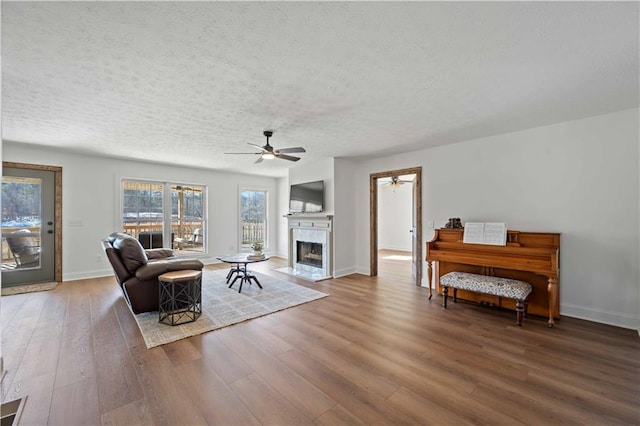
[416,218]
[395,224]
[31,224]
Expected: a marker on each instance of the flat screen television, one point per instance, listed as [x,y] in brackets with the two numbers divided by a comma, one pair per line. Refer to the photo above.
[307,197]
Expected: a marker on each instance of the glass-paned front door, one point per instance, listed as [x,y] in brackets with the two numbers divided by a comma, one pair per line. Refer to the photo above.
[27,226]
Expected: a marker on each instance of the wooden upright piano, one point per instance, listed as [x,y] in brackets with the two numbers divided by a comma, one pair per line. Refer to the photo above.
[528,256]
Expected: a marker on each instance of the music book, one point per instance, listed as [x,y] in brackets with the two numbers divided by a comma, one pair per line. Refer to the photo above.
[491,233]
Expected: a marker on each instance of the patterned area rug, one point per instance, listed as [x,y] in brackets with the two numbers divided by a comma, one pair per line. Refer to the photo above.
[28,288]
[222,306]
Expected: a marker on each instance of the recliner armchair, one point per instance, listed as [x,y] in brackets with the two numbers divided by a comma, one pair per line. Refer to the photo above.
[137,269]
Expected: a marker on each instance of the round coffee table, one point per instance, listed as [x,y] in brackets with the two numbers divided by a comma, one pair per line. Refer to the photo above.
[239,264]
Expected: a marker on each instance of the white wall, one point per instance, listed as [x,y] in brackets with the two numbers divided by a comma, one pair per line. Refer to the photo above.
[282,208]
[345,219]
[394,217]
[580,178]
[90,192]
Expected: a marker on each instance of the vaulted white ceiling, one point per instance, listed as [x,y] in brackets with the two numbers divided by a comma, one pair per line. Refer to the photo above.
[186,82]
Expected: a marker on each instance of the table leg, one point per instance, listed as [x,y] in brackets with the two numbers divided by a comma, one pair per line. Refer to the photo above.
[253,277]
[243,274]
[245,277]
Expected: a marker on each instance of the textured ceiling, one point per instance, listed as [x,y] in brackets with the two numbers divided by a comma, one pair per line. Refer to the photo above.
[185,82]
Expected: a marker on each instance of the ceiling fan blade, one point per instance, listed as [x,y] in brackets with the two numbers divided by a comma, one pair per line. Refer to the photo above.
[286,157]
[291,150]
[257,146]
[259,160]
[244,153]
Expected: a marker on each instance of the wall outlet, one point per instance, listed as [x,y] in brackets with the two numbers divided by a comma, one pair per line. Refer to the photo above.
[430,224]
[98,258]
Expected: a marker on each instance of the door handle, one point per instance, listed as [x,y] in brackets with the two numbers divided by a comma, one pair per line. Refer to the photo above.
[50,231]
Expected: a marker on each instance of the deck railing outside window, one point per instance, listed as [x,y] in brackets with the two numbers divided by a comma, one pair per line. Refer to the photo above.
[252,232]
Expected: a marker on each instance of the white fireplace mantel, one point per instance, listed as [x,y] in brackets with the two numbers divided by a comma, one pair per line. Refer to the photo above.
[315,229]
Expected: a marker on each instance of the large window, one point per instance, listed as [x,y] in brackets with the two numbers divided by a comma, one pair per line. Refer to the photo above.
[164,214]
[253,217]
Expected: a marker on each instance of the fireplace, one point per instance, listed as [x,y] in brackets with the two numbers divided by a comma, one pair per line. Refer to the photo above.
[310,246]
[309,253]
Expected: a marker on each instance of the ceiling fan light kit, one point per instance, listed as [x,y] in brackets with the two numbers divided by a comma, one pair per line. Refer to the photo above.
[268,153]
[394,182]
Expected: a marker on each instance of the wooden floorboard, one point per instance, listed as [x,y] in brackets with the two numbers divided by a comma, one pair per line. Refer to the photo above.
[375,351]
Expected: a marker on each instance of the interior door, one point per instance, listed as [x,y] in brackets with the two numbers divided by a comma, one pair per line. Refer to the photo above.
[28,231]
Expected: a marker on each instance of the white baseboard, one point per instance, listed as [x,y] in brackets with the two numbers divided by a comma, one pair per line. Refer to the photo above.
[363,270]
[87,274]
[344,272]
[617,319]
[392,247]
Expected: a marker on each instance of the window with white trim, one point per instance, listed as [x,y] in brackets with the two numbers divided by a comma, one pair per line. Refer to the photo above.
[165,214]
[253,217]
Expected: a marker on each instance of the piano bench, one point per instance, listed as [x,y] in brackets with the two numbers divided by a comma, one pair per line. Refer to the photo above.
[495,286]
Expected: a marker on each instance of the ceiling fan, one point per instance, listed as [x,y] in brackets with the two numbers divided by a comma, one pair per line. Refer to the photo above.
[395,182]
[267,152]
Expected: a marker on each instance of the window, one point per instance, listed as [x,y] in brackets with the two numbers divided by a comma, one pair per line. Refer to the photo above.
[163,214]
[253,217]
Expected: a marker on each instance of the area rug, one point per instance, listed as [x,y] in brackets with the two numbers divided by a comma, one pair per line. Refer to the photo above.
[223,306]
[28,288]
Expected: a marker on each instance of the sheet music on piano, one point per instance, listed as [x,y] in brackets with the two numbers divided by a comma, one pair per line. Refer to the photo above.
[491,233]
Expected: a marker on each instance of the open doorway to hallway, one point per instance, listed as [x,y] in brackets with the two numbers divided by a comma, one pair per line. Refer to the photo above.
[386,191]
[395,204]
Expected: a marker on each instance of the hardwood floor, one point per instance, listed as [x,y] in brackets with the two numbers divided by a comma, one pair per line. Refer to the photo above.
[375,352]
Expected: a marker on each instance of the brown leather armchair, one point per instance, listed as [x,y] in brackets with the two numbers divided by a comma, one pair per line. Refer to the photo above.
[137,269]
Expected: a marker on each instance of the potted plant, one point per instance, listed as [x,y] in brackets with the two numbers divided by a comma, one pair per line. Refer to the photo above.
[257,247]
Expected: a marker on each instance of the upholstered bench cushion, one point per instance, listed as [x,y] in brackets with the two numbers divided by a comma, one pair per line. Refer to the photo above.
[496,286]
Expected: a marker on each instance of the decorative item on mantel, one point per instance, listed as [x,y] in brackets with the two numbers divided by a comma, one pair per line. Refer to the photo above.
[454,223]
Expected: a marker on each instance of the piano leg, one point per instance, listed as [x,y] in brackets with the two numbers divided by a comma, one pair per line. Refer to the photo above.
[519,312]
[552,290]
[445,293]
[429,275]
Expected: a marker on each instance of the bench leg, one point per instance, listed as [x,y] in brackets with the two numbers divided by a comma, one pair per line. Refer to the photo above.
[519,312]
[445,292]
[455,295]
